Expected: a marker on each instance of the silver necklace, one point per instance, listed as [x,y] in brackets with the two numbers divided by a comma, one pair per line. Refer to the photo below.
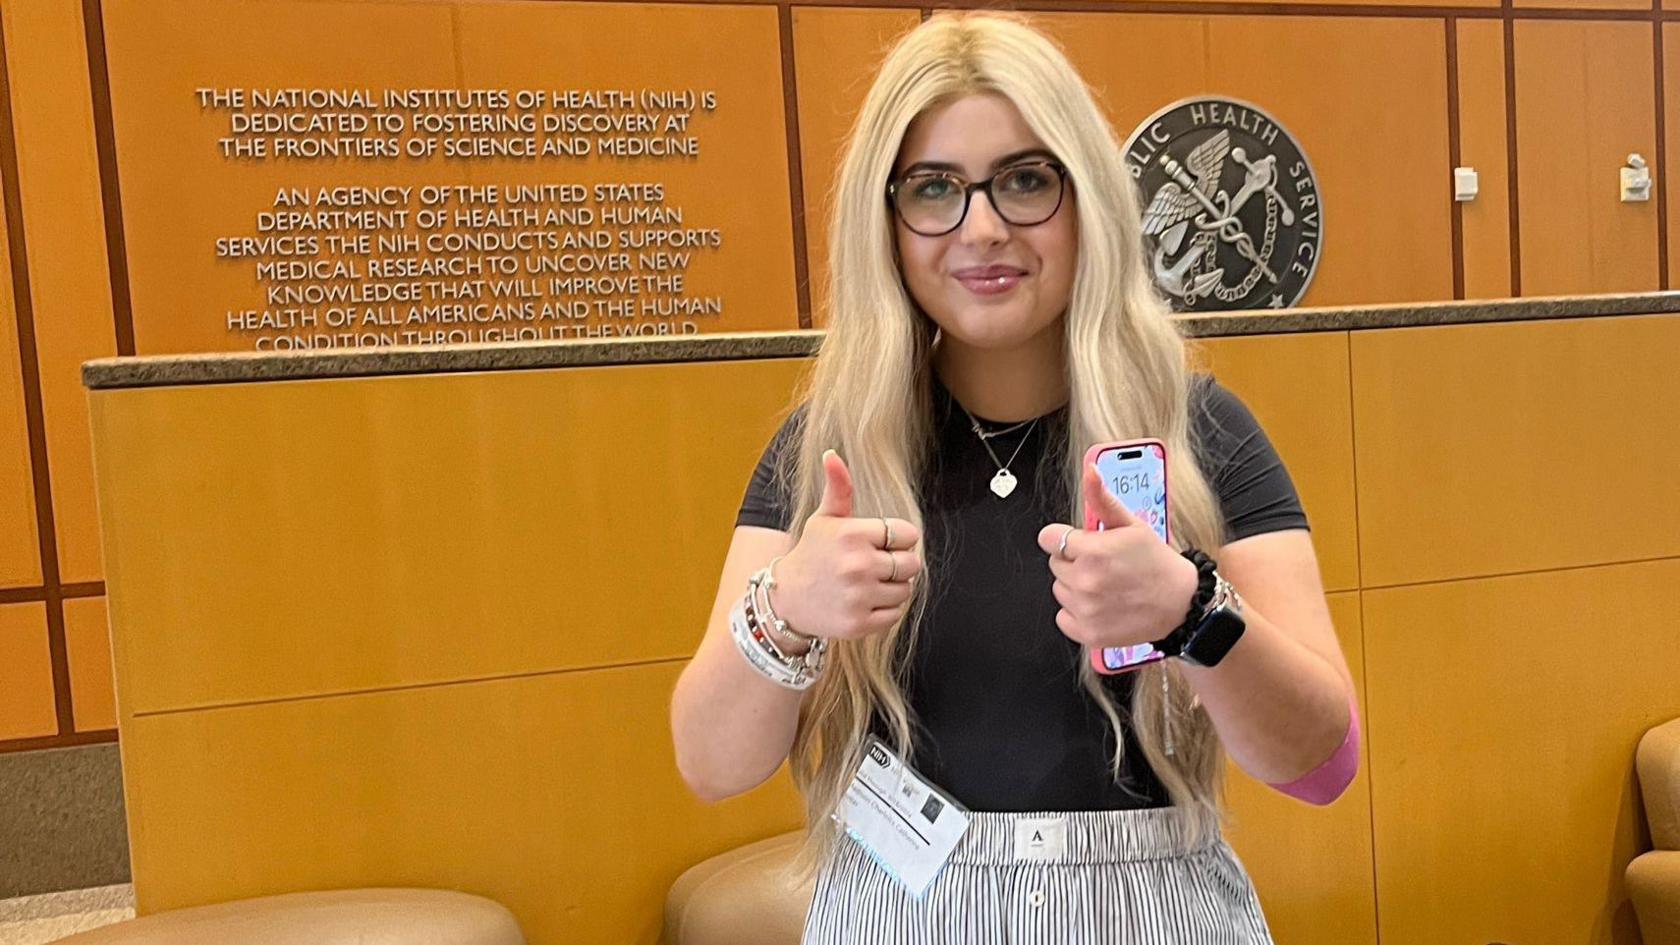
[988,434]
[1004,482]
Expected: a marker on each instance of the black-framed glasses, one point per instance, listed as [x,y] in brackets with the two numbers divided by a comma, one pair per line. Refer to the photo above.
[934,203]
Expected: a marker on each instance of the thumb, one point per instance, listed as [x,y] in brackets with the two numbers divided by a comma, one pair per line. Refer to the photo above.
[837,487]
[1102,506]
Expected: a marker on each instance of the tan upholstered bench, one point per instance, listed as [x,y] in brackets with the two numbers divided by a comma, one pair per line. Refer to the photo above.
[1653,879]
[747,896]
[337,917]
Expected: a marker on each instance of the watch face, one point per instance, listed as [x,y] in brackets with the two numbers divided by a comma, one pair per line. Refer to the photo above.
[1214,637]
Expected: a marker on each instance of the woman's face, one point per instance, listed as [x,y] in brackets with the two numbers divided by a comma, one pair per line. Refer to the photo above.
[988,283]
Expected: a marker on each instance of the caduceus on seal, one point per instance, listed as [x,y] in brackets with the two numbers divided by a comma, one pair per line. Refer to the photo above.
[1192,196]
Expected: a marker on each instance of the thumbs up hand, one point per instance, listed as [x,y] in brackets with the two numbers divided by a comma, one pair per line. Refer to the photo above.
[837,487]
[1118,585]
[844,580]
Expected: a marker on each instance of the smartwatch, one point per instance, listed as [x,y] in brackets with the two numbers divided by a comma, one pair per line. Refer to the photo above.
[1220,627]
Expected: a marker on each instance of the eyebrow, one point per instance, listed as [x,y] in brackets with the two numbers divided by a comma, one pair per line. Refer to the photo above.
[1004,161]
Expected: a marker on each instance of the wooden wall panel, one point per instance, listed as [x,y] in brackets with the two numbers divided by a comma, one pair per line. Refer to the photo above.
[1297,387]
[26,693]
[1488,449]
[836,51]
[1383,172]
[1585,101]
[1483,146]
[20,547]
[1312,865]
[58,174]
[479,534]
[1354,4]
[1504,715]
[1671,135]
[440,714]
[88,639]
[739,183]
[179,301]
[1585,5]
[555,794]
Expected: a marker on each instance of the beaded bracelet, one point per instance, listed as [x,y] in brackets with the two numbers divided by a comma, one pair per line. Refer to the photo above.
[762,654]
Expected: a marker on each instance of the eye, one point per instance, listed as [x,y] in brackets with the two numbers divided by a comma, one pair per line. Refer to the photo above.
[1026,180]
[932,187]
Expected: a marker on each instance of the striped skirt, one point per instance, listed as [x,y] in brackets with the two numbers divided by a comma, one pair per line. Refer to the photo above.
[1119,878]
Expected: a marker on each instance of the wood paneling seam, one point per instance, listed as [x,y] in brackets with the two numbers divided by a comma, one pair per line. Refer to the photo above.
[34,410]
[102,736]
[1454,156]
[796,170]
[410,687]
[1525,572]
[105,142]
[37,592]
[1370,771]
[1661,162]
[1514,220]
[1359,582]
[1353,466]
[1220,8]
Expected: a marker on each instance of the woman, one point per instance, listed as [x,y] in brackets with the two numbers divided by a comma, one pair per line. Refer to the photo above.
[991,317]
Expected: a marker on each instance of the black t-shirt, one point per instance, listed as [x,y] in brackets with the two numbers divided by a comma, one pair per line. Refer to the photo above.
[1002,722]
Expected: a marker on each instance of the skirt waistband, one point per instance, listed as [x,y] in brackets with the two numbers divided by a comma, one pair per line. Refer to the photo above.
[1078,837]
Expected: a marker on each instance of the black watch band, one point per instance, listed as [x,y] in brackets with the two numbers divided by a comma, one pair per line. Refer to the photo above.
[1206,582]
[1211,627]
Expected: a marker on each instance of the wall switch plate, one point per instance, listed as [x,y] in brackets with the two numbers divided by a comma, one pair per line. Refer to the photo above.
[1636,180]
[1466,184]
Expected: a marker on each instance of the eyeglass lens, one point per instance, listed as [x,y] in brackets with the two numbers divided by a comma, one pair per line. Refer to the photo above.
[934,203]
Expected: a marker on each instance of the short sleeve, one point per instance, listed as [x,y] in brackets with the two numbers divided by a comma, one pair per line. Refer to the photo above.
[766,503]
[1256,494]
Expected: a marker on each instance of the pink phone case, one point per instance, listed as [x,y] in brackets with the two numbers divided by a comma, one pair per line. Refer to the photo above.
[1129,654]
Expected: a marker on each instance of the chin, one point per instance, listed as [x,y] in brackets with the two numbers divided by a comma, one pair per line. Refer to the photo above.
[988,330]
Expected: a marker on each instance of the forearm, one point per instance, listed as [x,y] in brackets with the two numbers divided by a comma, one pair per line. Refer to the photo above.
[732,727]
[1281,709]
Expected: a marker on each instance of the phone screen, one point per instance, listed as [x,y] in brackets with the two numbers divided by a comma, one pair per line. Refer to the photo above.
[1137,475]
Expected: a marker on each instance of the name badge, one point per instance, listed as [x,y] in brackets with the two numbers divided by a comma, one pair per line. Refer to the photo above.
[906,824]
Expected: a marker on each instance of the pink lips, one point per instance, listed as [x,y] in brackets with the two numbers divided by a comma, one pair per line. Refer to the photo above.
[989,280]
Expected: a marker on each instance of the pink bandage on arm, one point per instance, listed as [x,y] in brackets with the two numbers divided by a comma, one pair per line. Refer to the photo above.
[1326,782]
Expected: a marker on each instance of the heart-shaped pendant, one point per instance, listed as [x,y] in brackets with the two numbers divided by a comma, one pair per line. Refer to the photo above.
[1003,483]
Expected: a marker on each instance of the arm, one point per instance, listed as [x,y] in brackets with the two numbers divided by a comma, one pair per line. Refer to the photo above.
[1282,699]
[732,728]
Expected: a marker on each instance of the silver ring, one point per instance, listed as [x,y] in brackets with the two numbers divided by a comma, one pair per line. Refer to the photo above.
[888,526]
[1061,549]
[894,575]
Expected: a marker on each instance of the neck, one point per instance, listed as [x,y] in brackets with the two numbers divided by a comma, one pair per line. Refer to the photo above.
[1005,386]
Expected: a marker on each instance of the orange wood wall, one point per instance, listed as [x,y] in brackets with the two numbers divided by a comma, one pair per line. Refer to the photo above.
[1379,96]
[1465,582]
[55,312]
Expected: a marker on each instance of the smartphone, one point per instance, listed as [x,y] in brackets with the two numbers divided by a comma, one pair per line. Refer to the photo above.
[1135,471]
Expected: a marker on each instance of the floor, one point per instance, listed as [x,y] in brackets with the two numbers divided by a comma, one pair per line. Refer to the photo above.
[61,820]
[36,920]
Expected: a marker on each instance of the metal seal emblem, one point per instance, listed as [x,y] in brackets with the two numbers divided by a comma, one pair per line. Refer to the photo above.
[1232,218]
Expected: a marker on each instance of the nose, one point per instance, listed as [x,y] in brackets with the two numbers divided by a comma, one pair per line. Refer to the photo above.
[982,225]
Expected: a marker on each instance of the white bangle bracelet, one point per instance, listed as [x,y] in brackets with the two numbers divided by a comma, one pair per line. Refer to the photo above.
[762,655]
[761,582]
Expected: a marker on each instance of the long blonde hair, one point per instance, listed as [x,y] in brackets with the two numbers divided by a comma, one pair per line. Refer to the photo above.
[868,394]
